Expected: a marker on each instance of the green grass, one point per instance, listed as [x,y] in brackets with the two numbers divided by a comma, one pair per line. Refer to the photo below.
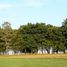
[46,62]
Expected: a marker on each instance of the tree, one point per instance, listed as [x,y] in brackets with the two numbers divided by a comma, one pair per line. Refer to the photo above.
[58,39]
[28,38]
[64,31]
[2,42]
[7,34]
[17,41]
[6,25]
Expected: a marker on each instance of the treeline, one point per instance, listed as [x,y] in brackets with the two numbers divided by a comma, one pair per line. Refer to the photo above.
[28,38]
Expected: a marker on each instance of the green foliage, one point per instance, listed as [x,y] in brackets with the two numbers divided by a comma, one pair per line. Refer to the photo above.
[30,37]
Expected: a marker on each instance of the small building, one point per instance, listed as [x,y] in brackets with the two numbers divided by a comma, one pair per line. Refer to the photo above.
[60,52]
[10,52]
[51,50]
[40,51]
[66,51]
[44,51]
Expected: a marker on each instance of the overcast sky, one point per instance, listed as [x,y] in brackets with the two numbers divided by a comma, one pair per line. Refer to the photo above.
[20,12]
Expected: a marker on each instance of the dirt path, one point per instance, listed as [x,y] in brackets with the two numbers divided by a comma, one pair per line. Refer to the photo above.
[35,56]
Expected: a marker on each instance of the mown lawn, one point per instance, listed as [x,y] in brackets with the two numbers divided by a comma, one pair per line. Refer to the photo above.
[33,62]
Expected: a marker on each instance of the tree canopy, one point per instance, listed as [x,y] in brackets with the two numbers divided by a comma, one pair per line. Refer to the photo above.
[28,38]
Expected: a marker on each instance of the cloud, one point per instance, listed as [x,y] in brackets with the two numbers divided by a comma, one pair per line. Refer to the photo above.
[34,3]
[5,6]
[24,3]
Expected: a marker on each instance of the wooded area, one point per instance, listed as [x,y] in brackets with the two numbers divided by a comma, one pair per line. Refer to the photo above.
[28,38]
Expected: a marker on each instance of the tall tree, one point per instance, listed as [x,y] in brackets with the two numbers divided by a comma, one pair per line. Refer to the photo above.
[6,25]
[7,34]
[2,42]
[64,31]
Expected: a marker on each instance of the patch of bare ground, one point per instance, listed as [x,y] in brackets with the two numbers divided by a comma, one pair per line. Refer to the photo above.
[35,56]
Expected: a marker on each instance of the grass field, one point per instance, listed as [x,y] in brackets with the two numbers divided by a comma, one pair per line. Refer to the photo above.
[34,61]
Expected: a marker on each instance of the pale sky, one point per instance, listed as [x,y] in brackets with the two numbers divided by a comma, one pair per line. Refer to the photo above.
[20,12]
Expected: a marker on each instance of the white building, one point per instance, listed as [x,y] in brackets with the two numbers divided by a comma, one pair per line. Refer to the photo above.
[10,52]
[60,52]
[40,51]
[44,51]
[51,50]
[66,51]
